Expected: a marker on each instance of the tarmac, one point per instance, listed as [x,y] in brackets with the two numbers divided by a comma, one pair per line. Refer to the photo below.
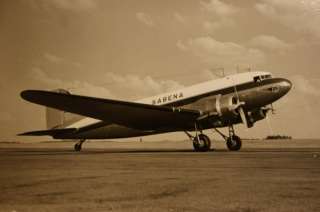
[160,176]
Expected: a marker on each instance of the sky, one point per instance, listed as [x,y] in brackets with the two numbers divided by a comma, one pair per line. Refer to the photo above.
[134,49]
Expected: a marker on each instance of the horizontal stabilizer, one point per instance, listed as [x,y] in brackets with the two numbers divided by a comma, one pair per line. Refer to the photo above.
[52,132]
[129,114]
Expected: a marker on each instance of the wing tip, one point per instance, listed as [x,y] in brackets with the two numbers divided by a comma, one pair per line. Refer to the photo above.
[26,94]
[25,134]
[51,132]
[32,95]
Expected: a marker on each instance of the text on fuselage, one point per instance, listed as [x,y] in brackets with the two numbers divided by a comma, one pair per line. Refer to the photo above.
[168,98]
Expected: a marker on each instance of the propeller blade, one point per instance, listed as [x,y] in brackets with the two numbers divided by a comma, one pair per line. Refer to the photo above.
[243,117]
[240,108]
[273,111]
[271,132]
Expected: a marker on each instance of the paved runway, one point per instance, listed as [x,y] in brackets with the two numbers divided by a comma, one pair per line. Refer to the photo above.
[42,177]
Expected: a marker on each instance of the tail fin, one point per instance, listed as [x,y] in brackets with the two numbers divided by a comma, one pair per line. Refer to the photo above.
[57,119]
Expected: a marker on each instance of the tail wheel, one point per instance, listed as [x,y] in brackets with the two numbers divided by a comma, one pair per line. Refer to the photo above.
[77,147]
[202,144]
[234,143]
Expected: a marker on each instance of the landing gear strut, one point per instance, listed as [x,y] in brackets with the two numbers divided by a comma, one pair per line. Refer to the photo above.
[233,141]
[201,142]
[78,146]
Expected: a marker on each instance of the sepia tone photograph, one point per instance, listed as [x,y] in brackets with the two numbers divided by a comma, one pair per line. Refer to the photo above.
[158,105]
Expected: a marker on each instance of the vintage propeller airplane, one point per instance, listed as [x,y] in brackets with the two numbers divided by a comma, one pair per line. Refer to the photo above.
[240,98]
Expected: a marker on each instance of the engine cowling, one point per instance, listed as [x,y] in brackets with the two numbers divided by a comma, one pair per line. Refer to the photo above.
[220,111]
[257,115]
[226,105]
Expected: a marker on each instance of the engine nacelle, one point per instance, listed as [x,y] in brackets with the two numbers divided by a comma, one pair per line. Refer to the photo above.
[257,115]
[226,105]
[220,111]
[228,109]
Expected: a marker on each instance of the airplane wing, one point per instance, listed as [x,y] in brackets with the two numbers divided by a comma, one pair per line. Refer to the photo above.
[52,132]
[129,114]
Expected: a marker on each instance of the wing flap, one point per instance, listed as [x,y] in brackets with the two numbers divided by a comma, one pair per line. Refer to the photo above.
[129,114]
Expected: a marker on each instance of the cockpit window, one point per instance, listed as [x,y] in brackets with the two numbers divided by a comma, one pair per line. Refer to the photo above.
[256,79]
[268,76]
[261,77]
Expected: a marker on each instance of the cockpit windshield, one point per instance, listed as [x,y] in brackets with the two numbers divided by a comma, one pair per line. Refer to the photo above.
[262,77]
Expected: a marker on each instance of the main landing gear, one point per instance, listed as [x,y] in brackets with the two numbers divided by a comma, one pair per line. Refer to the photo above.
[233,142]
[201,142]
[78,146]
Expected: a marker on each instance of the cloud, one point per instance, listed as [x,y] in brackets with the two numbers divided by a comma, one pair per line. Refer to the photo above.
[71,5]
[138,87]
[210,25]
[214,25]
[223,14]
[269,42]
[299,15]
[80,87]
[59,60]
[122,86]
[181,45]
[178,17]
[53,58]
[224,54]
[145,19]
[219,8]
[305,85]
[210,74]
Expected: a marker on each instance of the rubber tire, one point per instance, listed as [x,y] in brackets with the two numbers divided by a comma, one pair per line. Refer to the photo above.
[234,146]
[206,143]
[77,147]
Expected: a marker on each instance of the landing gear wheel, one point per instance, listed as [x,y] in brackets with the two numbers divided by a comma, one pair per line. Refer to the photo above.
[202,144]
[77,147]
[234,143]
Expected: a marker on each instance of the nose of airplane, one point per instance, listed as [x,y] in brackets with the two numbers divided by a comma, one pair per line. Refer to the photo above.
[285,86]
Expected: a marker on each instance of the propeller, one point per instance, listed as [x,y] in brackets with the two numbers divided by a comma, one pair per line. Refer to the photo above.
[273,111]
[243,116]
[271,132]
[271,108]
[239,108]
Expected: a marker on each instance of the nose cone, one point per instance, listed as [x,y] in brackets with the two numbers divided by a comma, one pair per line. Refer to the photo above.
[285,86]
